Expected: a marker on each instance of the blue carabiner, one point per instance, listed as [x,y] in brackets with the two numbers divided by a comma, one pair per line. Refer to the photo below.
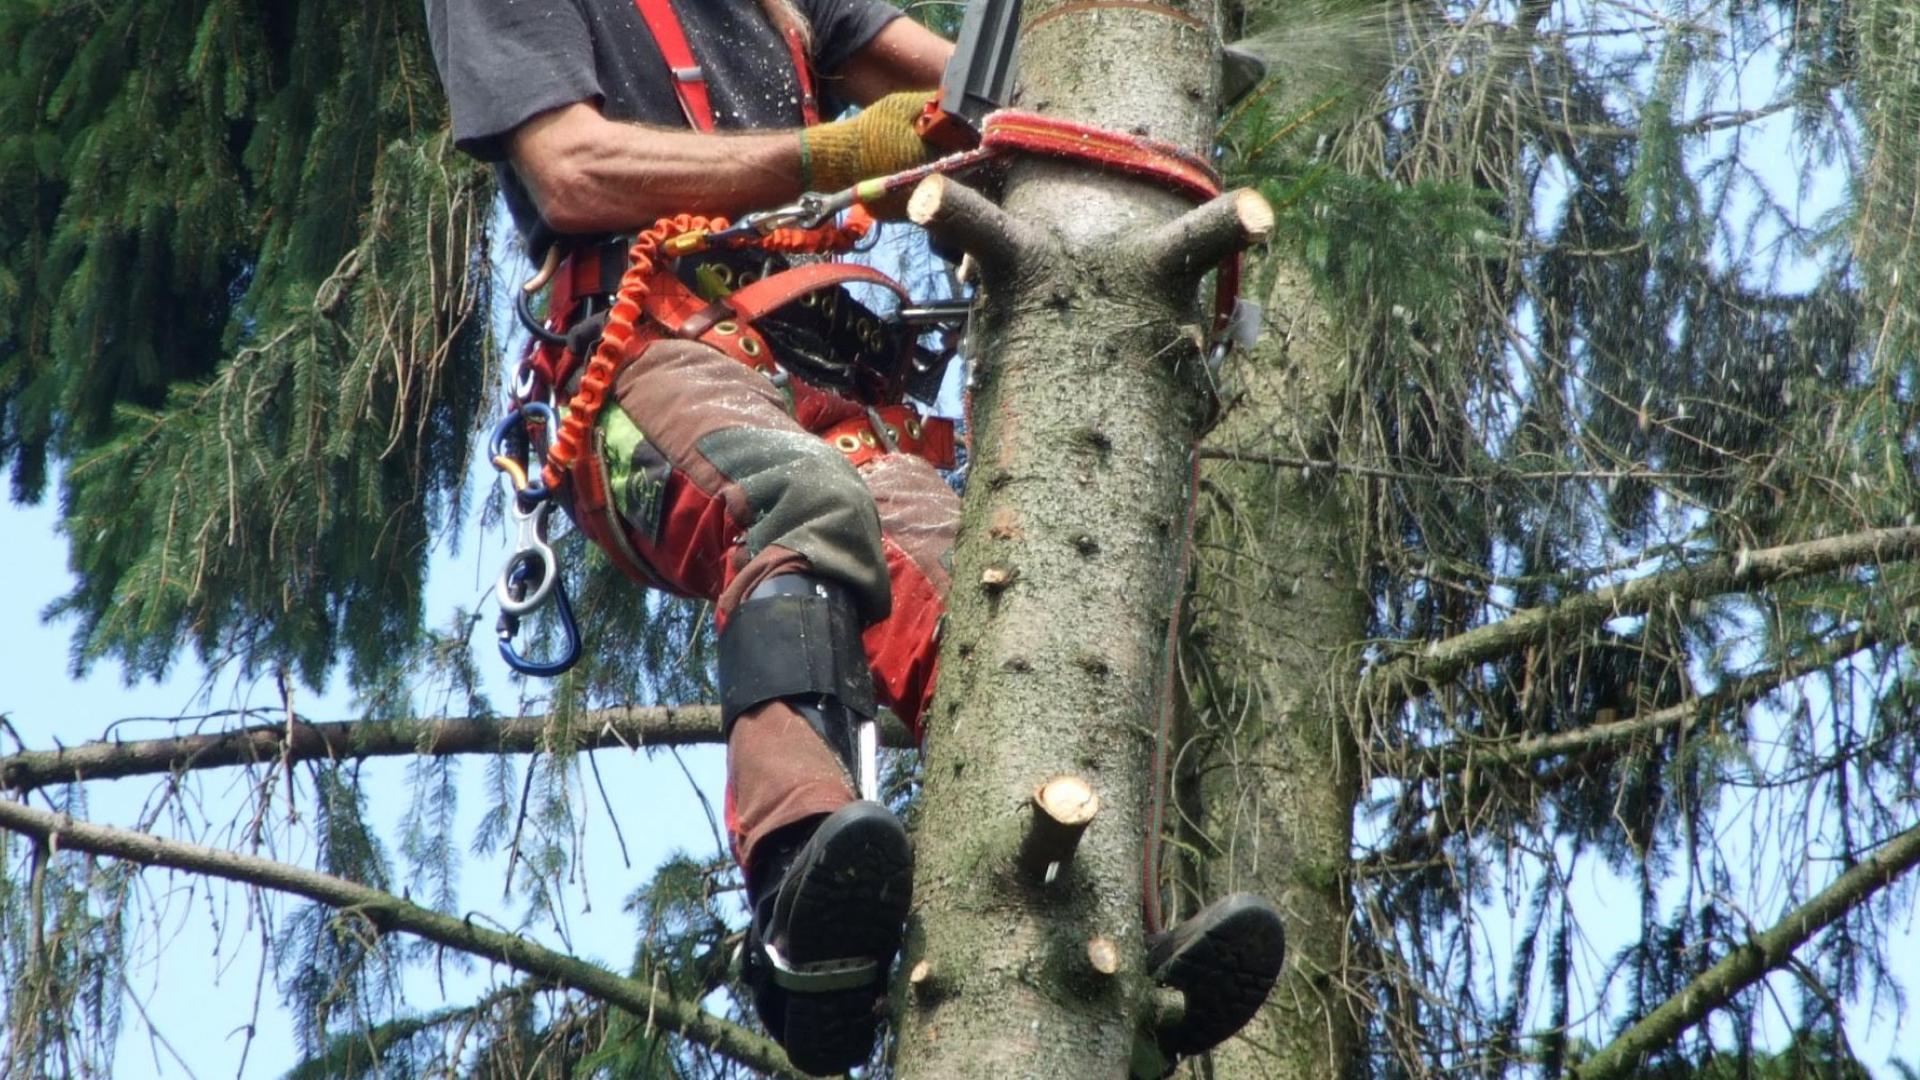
[502,443]
[509,625]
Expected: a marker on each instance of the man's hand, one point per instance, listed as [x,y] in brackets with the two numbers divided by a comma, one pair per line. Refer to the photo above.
[879,141]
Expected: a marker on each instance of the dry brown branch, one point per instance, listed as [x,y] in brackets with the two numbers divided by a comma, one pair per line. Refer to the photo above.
[629,726]
[387,913]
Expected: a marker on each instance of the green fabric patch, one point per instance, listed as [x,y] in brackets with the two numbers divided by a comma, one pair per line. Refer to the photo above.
[806,498]
[636,473]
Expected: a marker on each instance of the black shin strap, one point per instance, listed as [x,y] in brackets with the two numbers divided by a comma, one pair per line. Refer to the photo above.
[799,638]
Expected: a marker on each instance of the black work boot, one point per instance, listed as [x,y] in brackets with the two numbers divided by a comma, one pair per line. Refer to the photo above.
[1224,961]
[829,903]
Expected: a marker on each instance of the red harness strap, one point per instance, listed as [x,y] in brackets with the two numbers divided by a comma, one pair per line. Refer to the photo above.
[929,437]
[690,79]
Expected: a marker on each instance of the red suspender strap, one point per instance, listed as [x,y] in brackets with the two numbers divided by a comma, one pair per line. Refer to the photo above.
[689,82]
[803,73]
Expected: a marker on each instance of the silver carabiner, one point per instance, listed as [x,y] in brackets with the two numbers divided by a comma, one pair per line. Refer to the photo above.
[531,562]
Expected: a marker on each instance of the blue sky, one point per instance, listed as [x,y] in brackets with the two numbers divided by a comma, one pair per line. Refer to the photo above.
[197,956]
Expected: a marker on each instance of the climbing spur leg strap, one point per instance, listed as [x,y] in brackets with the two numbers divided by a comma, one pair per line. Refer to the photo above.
[796,638]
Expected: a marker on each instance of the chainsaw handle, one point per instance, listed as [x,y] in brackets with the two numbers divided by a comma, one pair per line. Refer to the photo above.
[943,130]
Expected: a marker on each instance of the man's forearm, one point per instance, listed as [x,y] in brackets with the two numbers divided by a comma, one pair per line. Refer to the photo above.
[589,174]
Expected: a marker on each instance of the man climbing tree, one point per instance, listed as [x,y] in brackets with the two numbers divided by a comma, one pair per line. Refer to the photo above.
[761,454]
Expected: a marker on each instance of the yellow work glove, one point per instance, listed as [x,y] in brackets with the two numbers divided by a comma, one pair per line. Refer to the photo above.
[879,141]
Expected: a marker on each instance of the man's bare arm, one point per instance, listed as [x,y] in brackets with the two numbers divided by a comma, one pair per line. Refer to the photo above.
[903,56]
[589,174]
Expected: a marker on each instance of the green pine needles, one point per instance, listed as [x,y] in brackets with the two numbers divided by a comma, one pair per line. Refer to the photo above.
[245,285]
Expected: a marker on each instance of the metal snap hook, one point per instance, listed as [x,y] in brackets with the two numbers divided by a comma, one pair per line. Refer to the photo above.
[531,562]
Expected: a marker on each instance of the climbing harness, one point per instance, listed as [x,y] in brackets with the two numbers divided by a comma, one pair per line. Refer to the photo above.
[651,302]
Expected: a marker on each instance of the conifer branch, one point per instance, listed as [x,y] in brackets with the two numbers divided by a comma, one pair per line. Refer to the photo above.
[1751,961]
[631,726]
[1683,717]
[388,913]
[295,741]
[1409,675]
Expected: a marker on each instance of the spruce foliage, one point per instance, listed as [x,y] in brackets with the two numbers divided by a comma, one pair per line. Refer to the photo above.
[244,281]
[1589,334]
[1555,320]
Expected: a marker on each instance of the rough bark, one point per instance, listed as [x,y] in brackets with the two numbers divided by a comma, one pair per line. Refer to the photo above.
[1271,774]
[1087,398]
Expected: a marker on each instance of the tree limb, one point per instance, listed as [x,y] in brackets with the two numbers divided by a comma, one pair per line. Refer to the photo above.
[1407,676]
[1433,761]
[1196,241]
[956,214]
[1749,962]
[630,726]
[664,725]
[389,913]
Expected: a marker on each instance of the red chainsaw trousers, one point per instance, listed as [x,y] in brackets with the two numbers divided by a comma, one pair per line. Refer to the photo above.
[720,485]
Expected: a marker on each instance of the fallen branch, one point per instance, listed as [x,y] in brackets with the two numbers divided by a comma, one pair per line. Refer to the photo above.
[1400,679]
[1683,717]
[632,727]
[1747,963]
[389,913]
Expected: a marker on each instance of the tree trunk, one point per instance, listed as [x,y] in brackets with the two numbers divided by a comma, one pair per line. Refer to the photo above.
[1270,780]
[1272,776]
[1088,395]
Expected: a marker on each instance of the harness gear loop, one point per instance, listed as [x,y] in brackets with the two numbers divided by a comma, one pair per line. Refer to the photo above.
[631,306]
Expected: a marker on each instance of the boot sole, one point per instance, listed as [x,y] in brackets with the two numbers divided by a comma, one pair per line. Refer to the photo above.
[1225,968]
[851,901]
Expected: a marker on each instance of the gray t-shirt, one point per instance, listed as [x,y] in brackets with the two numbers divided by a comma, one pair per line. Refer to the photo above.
[506,61]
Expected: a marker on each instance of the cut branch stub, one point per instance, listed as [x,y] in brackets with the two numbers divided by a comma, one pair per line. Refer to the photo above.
[1199,239]
[1103,955]
[1062,809]
[1166,1008]
[956,214]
